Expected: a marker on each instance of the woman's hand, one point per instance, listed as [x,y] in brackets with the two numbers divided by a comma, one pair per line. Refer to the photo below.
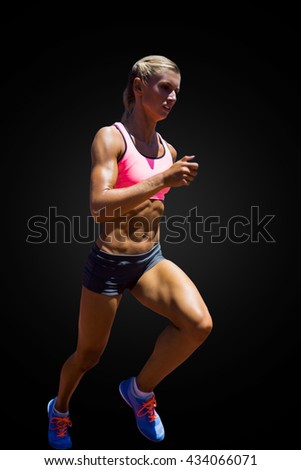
[181,173]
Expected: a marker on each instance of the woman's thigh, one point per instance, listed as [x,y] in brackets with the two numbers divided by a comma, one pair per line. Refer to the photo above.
[167,290]
[97,313]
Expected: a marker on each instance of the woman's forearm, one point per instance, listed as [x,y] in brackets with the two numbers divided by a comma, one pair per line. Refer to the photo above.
[112,203]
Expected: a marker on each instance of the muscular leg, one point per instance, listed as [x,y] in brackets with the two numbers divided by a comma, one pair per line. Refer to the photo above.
[97,313]
[167,290]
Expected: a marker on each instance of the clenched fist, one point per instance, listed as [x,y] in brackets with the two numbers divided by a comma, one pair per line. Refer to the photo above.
[181,173]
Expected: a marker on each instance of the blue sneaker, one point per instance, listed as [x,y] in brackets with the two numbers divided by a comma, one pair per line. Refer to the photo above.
[58,436]
[147,419]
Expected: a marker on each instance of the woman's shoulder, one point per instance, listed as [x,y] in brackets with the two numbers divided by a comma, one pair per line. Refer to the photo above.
[108,137]
[170,147]
[108,134]
[172,150]
[107,131]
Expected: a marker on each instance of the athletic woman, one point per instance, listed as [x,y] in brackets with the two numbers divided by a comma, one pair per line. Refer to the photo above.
[132,170]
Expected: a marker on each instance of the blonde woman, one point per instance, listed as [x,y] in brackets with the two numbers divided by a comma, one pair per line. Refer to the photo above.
[132,170]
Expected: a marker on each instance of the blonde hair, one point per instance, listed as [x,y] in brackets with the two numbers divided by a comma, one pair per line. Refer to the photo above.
[144,69]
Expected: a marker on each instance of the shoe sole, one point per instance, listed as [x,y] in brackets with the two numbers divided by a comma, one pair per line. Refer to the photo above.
[126,400]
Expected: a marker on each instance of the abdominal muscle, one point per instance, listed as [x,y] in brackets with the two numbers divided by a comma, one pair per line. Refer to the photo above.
[134,232]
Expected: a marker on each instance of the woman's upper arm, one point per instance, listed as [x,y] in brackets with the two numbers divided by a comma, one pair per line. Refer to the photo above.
[106,147]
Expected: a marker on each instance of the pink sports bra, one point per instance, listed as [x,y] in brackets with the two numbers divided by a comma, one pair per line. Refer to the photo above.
[134,167]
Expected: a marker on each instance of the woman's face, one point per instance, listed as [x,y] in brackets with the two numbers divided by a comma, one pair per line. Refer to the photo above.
[159,95]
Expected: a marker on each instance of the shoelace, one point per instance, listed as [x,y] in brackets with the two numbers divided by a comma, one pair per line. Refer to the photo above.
[61,425]
[148,408]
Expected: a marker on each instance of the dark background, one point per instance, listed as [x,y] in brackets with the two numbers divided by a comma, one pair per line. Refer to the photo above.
[237,112]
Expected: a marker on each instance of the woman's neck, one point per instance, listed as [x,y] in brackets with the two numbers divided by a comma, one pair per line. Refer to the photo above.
[141,128]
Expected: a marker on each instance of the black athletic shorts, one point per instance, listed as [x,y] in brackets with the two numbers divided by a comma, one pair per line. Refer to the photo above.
[111,274]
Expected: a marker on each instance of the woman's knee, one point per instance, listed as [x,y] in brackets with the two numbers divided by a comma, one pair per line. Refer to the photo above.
[200,325]
[87,359]
[205,324]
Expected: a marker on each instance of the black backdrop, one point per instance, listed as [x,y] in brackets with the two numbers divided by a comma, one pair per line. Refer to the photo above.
[237,113]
